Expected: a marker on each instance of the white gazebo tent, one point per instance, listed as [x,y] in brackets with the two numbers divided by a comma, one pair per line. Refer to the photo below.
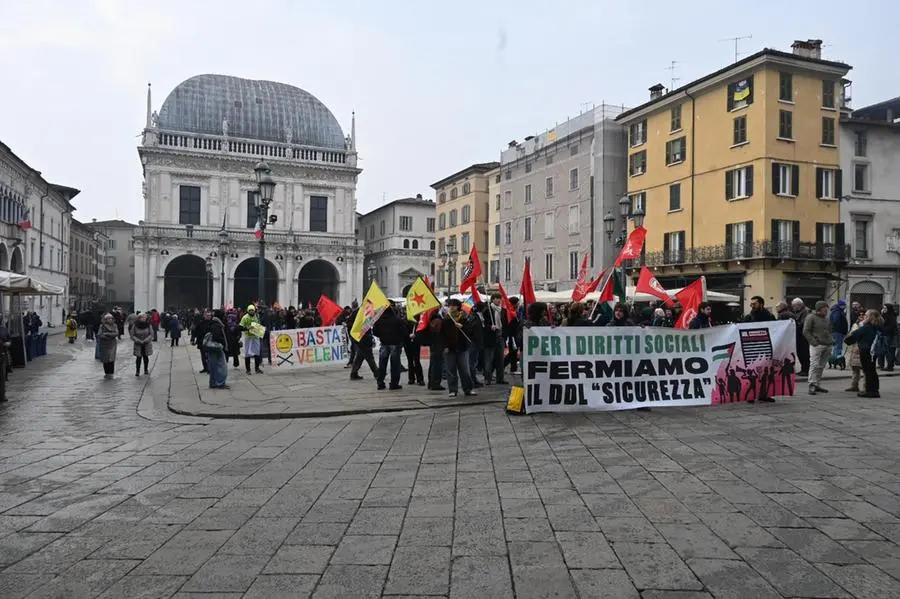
[17,286]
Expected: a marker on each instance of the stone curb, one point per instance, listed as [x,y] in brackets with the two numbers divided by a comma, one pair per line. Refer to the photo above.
[325,414]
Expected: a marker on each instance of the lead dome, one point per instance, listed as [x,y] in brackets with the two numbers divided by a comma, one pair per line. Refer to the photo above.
[263,110]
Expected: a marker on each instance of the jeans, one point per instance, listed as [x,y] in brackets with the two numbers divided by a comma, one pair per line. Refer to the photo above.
[838,339]
[155,332]
[363,353]
[217,363]
[818,357]
[392,353]
[868,368]
[413,360]
[436,367]
[458,371]
[493,363]
[473,364]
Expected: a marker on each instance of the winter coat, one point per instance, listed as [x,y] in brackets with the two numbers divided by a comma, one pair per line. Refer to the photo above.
[71,327]
[142,336]
[108,337]
[838,319]
[701,321]
[761,315]
[390,328]
[817,330]
[175,327]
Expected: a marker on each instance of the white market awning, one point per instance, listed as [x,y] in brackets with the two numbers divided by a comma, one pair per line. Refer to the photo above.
[16,284]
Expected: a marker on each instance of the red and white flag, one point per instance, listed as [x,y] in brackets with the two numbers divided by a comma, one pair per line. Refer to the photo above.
[648,284]
[633,247]
[690,298]
[581,284]
[471,272]
[258,231]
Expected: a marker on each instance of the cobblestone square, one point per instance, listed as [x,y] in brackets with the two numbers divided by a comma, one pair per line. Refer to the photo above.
[104,492]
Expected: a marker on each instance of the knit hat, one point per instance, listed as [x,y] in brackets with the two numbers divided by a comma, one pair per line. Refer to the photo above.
[821,304]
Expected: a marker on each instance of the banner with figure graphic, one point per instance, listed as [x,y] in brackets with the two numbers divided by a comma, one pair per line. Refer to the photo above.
[574,369]
[302,348]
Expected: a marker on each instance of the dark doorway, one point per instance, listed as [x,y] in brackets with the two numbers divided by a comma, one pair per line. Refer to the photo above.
[246,283]
[17,262]
[186,284]
[317,278]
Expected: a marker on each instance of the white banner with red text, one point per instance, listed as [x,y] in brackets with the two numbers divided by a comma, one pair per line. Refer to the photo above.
[576,369]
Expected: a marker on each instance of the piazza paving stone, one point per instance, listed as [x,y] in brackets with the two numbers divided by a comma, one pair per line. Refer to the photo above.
[106,492]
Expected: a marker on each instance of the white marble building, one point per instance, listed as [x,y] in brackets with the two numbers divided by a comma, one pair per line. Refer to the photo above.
[196,243]
[870,161]
[399,243]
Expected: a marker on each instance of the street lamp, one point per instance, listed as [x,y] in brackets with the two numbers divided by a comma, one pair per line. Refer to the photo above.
[266,185]
[209,273]
[223,249]
[609,222]
[451,265]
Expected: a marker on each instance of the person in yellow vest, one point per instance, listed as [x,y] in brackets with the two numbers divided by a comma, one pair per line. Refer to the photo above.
[71,328]
[253,333]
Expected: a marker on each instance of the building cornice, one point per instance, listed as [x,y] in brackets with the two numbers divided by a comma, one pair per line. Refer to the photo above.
[173,156]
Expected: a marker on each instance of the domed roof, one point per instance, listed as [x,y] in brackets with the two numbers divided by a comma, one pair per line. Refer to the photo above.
[263,110]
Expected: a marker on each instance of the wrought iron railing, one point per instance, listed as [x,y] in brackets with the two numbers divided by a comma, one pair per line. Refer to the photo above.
[786,250]
[163,232]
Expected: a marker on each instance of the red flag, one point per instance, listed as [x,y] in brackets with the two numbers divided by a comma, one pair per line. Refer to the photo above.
[328,310]
[581,284]
[424,317]
[690,298]
[258,232]
[428,282]
[593,285]
[633,246]
[526,288]
[471,272]
[608,294]
[647,283]
[506,304]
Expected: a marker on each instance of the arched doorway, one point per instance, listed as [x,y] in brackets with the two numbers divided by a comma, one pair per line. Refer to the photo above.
[17,261]
[316,278]
[4,257]
[186,285]
[246,283]
[868,293]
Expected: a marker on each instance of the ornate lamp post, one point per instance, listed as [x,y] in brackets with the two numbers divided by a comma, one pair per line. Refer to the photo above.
[266,185]
[609,225]
[209,274]
[223,249]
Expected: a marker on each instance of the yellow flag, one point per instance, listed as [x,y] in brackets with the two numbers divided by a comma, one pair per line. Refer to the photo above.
[420,299]
[373,305]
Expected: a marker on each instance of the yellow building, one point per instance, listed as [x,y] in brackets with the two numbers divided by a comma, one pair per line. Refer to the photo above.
[739,175]
[462,220]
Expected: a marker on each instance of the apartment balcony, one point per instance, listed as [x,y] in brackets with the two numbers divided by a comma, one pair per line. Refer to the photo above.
[161,234]
[757,250]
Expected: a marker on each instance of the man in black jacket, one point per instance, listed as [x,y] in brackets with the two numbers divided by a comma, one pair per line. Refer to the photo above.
[758,311]
[493,340]
[197,333]
[391,330]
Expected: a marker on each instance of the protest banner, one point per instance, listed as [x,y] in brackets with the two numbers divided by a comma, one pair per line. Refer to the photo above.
[303,348]
[574,369]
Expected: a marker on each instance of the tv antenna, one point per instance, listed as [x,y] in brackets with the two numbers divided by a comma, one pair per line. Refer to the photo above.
[736,41]
[671,68]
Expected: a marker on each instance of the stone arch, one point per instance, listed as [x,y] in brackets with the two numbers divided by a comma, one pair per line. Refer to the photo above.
[246,282]
[868,293]
[17,261]
[185,283]
[317,277]
[4,257]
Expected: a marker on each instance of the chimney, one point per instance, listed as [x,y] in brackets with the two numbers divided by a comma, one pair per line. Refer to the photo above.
[656,91]
[808,48]
[513,144]
[418,196]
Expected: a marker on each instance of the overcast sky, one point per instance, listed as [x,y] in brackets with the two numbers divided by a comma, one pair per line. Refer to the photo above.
[435,85]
